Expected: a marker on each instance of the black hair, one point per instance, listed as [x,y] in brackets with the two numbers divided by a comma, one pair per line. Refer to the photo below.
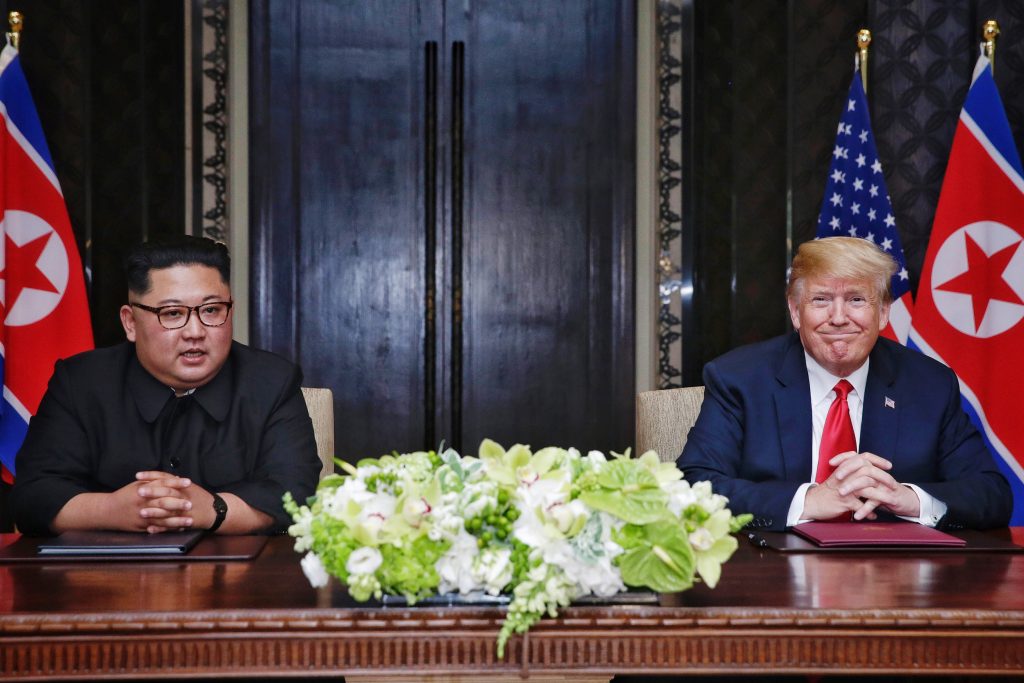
[185,250]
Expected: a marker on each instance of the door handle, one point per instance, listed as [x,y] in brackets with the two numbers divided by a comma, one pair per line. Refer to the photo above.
[430,243]
[457,197]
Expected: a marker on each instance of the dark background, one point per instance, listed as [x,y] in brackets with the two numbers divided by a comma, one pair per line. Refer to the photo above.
[766,82]
[763,83]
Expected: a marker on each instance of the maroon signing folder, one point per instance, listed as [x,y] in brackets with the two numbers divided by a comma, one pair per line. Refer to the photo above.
[874,534]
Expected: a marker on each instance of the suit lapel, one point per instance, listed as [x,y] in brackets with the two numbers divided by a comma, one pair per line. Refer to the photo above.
[882,400]
[793,411]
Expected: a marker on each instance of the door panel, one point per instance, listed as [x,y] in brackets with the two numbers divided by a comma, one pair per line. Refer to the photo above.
[479,284]
[542,306]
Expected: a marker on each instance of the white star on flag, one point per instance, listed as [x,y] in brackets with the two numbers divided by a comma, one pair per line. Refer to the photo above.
[856,209]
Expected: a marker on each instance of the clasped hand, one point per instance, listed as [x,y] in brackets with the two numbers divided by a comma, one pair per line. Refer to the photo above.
[165,502]
[860,484]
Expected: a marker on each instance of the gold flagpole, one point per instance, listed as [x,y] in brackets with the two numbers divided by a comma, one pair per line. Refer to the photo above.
[14,35]
[990,31]
[863,41]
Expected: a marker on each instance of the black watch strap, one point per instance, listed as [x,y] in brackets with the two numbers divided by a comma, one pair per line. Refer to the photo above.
[221,508]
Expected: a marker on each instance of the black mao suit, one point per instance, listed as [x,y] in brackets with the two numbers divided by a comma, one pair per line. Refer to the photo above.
[104,418]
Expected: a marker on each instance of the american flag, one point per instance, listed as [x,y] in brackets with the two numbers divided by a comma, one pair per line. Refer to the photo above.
[856,202]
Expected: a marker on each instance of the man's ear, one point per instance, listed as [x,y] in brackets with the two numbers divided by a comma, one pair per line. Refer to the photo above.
[883,316]
[128,322]
[794,313]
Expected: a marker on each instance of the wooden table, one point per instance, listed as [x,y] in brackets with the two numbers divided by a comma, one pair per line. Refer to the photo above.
[881,613]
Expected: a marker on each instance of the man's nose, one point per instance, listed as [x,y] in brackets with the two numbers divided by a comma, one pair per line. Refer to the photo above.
[193,328]
[837,312]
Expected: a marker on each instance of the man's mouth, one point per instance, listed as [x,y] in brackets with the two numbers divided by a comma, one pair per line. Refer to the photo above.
[193,354]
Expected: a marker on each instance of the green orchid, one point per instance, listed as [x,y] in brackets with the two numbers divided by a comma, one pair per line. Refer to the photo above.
[713,545]
[504,466]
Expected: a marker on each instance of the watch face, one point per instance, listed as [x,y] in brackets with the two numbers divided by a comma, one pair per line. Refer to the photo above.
[219,506]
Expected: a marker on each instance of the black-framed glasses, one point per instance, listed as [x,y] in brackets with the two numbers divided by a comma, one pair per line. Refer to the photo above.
[211,314]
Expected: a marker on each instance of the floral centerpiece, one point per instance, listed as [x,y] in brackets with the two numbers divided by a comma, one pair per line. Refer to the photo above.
[545,528]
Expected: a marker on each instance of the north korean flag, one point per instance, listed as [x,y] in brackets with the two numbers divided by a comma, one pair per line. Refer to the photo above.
[44,313]
[970,302]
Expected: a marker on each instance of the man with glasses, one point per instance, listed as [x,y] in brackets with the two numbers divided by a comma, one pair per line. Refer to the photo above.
[179,427]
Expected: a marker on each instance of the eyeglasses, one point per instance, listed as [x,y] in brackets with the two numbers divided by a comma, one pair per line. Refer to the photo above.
[211,314]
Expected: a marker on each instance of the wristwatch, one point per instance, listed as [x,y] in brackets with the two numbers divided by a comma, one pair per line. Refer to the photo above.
[221,508]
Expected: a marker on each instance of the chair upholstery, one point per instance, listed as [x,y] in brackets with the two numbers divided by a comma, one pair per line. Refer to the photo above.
[320,404]
[664,418]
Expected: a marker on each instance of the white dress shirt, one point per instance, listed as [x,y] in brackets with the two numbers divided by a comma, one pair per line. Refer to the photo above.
[822,384]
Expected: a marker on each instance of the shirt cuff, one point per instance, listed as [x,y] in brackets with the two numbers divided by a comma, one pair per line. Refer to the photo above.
[796,508]
[932,509]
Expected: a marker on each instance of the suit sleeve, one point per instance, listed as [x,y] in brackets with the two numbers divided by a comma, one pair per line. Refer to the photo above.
[967,480]
[54,463]
[716,451]
[287,460]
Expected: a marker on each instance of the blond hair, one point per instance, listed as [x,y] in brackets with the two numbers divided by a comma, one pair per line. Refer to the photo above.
[846,258]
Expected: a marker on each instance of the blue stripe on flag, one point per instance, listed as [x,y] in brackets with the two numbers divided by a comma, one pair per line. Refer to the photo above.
[12,428]
[1016,485]
[986,108]
[16,98]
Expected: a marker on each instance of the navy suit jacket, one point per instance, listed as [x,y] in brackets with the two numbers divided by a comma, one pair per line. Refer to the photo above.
[752,439]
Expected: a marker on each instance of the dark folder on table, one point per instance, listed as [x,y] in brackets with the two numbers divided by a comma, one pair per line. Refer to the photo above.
[875,534]
[117,543]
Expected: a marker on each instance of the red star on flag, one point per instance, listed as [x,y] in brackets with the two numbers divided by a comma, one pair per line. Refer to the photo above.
[983,279]
[32,277]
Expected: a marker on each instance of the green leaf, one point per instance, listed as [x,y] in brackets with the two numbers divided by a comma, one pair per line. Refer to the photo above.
[638,507]
[660,558]
[627,475]
[628,490]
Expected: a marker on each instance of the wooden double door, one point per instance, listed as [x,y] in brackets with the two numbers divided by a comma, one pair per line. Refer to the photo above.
[443,216]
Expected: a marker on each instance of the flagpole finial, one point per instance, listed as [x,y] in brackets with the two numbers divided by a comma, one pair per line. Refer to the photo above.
[17,21]
[989,32]
[863,42]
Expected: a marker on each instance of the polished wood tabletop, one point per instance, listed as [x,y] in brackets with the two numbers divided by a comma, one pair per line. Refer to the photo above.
[874,612]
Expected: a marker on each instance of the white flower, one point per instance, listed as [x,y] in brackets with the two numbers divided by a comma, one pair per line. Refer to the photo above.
[314,570]
[682,495]
[543,492]
[493,569]
[569,516]
[702,539]
[478,498]
[455,567]
[302,530]
[415,511]
[336,502]
[711,502]
[364,560]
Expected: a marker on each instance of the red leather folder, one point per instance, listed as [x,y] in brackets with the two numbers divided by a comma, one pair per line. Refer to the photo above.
[874,534]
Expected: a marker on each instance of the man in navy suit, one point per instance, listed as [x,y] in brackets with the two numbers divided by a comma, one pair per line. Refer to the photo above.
[918,456]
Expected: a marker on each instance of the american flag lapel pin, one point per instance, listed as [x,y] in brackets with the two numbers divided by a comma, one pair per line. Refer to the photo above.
[889,403]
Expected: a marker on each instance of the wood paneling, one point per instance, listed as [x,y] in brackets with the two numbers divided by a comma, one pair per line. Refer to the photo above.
[454,262]
[888,614]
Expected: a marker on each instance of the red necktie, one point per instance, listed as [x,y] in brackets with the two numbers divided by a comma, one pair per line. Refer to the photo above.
[837,437]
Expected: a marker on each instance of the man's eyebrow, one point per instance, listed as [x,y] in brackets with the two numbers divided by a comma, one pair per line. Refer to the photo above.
[179,302]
